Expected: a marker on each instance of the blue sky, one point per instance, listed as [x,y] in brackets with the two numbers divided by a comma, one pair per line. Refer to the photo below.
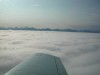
[84,14]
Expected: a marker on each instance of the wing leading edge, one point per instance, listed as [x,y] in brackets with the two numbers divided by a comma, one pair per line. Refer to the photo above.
[39,64]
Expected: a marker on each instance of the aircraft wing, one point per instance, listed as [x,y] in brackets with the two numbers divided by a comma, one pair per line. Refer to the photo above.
[39,64]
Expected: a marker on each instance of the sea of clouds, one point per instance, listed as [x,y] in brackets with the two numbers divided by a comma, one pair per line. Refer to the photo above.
[79,52]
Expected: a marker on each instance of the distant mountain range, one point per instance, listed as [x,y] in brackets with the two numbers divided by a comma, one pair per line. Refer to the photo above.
[48,29]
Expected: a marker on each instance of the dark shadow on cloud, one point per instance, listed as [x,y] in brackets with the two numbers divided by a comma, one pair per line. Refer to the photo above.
[62,44]
[1,39]
[73,54]
[17,42]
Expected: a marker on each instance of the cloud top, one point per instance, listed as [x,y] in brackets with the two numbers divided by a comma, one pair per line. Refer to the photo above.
[79,52]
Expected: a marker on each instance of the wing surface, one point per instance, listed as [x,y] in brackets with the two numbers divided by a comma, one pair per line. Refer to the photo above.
[39,64]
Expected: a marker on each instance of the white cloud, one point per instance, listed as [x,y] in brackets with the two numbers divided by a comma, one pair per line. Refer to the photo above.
[79,52]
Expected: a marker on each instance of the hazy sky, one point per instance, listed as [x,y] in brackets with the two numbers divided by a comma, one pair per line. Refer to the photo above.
[50,13]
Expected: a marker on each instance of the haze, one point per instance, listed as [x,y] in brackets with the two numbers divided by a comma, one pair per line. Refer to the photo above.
[80,14]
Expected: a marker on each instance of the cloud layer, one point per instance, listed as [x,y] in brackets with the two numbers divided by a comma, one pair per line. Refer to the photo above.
[79,52]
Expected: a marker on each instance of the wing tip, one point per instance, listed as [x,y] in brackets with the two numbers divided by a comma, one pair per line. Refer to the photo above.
[45,54]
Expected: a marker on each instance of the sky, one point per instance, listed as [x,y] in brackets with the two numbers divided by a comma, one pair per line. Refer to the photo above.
[79,52]
[81,14]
